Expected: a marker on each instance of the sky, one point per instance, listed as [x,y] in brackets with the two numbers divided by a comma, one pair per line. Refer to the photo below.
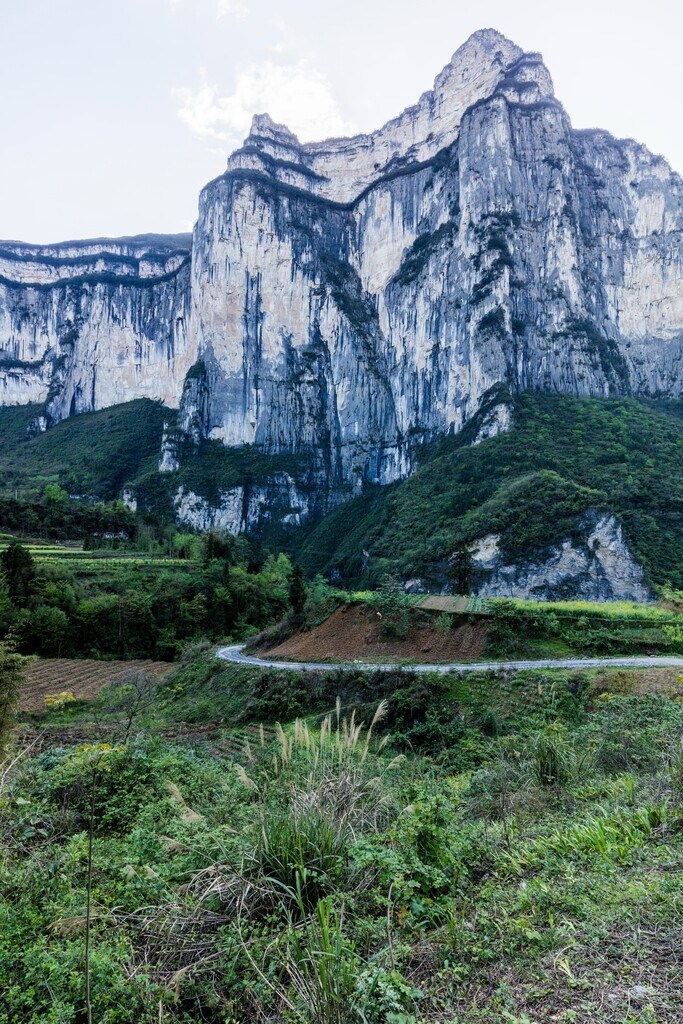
[115,113]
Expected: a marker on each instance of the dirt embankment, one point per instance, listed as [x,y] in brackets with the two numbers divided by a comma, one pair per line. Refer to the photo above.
[353,631]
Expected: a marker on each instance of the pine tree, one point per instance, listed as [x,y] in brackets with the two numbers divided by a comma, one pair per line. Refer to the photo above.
[19,568]
[297,591]
[460,569]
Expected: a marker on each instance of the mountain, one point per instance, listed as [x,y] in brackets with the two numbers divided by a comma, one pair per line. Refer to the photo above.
[342,304]
[580,497]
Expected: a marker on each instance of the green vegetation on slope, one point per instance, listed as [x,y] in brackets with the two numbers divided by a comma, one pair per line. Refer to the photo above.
[97,454]
[563,456]
[94,454]
[511,855]
[59,602]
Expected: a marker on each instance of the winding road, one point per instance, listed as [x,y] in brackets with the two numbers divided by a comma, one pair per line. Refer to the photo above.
[235,654]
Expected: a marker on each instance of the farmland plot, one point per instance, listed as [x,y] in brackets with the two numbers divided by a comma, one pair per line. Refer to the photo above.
[83,678]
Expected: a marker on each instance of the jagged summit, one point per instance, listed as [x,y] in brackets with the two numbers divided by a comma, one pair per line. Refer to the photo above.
[341,169]
[263,127]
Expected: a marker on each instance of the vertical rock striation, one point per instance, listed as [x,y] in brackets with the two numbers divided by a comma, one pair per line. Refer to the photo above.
[86,325]
[357,296]
[350,299]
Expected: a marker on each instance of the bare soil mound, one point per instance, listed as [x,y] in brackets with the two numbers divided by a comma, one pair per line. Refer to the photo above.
[353,632]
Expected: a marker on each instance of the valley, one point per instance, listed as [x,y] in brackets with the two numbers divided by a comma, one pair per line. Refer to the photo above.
[341,577]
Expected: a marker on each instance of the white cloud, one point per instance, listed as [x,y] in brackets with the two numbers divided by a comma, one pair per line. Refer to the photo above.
[288,39]
[294,94]
[237,8]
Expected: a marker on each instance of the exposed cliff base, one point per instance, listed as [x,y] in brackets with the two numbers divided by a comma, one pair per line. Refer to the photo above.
[595,564]
[571,501]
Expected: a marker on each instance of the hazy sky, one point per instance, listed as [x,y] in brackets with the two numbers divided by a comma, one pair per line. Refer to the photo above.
[116,112]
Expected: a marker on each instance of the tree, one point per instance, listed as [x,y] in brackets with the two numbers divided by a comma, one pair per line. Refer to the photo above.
[130,697]
[391,603]
[219,546]
[460,569]
[49,626]
[20,571]
[55,497]
[6,609]
[11,677]
[297,590]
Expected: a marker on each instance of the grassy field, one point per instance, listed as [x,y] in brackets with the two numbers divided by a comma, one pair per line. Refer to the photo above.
[606,611]
[503,848]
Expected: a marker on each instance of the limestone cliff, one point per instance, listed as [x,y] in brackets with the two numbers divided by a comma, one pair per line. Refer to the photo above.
[350,299]
[86,325]
[357,296]
[597,565]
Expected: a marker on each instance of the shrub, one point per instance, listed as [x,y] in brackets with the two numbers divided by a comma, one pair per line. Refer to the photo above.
[392,606]
[321,601]
[552,759]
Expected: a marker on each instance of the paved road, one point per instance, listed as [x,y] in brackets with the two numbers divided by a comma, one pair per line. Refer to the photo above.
[236,655]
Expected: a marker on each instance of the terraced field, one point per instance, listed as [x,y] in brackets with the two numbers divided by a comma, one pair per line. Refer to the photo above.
[47,677]
[86,562]
[469,605]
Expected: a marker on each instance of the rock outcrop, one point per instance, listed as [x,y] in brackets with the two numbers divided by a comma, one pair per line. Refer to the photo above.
[596,565]
[350,299]
[244,508]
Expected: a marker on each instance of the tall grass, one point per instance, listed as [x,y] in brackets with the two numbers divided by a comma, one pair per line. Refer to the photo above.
[322,967]
[315,793]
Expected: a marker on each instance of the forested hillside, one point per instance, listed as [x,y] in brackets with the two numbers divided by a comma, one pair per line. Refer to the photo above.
[532,485]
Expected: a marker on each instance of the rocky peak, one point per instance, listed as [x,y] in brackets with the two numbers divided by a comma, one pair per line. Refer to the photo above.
[487,64]
[484,51]
[263,129]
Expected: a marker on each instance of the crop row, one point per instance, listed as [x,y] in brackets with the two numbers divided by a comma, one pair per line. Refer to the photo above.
[73,671]
[118,563]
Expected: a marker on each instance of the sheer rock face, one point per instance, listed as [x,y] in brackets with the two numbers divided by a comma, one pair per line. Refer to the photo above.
[86,325]
[355,297]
